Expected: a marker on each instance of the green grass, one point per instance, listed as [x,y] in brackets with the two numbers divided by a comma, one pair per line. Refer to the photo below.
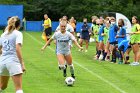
[92,76]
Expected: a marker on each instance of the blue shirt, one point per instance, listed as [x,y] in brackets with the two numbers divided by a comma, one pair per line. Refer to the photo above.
[85,28]
[112,33]
[124,43]
[101,30]
[120,33]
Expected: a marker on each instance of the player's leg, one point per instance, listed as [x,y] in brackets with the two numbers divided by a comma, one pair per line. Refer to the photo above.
[15,71]
[4,77]
[3,83]
[127,56]
[135,48]
[68,58]
[17,79]
[62,65]
[106,50]
[114,54]
[81,43]
[87,41]
[100,49]
[97,48]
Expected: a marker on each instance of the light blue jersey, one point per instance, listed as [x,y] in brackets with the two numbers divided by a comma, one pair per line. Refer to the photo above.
[62,41]
[8,43]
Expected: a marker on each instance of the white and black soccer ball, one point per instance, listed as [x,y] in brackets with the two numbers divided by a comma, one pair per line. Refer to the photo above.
[69,81]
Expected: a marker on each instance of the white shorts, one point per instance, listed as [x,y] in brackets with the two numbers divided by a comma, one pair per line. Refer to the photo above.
[10,69]
[64,53]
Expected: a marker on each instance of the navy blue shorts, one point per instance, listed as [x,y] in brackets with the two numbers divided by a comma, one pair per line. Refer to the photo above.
[85,36]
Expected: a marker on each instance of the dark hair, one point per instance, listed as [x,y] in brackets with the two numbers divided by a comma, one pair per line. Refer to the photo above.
[136,19]
[122,21]
[17,23]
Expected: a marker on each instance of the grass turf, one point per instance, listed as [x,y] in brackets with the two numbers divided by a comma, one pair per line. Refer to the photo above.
[92,76]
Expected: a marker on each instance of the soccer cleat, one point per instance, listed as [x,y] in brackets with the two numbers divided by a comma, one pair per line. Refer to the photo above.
[72,75]
[120,62]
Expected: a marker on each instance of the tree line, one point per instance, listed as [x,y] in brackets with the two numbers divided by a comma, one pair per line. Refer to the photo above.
[35,9]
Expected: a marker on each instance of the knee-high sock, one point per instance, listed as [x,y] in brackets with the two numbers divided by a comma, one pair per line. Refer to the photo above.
[71,69]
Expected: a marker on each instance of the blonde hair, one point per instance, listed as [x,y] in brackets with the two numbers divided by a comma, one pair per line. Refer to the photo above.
[13,23]
[63,22]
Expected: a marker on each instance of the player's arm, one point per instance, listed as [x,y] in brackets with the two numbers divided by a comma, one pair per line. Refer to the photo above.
[76,43]
[46,24]
[47,43]
[19,41]
[0,50]
[19,55]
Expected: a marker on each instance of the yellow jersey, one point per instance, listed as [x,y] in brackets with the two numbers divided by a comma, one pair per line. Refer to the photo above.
[47,23]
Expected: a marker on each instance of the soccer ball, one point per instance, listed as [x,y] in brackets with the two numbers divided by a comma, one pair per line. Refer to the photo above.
[69,81]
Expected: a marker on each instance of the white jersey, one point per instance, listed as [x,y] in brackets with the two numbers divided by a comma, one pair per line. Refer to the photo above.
[8,43]
[69,28]
[62,41]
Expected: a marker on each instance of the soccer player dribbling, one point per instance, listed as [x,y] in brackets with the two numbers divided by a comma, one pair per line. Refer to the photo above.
[11,62]
[63,52]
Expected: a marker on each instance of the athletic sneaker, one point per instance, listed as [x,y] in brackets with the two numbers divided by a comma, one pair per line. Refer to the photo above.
[120,62]
[72,75]
[135,64]
[85,50]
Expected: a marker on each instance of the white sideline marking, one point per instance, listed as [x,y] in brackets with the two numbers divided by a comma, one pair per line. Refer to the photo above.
[91,72]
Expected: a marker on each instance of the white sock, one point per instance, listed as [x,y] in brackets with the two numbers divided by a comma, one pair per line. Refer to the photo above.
[19,91]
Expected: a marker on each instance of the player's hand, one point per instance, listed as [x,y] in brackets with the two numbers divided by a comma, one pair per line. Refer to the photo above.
[131,33]
[116,36]
[81,48]
[23,67]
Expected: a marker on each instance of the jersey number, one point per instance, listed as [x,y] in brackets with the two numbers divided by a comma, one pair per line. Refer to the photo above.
[6,45]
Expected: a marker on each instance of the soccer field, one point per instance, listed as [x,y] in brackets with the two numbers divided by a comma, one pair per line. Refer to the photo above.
[43,75]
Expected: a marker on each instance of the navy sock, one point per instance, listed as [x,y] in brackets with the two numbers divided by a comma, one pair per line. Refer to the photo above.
[104,55]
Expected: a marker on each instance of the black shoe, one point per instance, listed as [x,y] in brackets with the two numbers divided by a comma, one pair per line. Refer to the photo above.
[73,76]
[59,68]
[103,60]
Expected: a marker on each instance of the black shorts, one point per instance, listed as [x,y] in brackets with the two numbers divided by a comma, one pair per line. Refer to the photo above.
[114,43]
[48,31]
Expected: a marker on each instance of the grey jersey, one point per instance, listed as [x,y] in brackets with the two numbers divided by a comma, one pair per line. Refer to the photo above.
[62,41]
[8,43]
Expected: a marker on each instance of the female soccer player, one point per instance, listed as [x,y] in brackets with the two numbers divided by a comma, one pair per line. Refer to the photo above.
[124,48]
[11,62]
[63,52]
[135,39]
[85,34]
[106,42]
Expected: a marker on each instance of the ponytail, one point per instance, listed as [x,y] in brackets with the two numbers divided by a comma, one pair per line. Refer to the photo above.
[13,23]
